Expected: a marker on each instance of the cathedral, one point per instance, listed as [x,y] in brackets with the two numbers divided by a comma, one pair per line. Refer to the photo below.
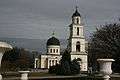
[76,46]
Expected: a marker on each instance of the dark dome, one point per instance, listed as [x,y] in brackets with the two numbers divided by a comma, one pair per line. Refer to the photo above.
[76,14]
[53,41]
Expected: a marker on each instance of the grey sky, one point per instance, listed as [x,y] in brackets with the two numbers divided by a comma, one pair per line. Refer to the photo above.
[37,19]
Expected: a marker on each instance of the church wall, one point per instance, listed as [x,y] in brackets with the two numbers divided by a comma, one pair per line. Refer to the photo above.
[82,44]
[37,63]
[75,31]
[75,20]
[43,62]
[47,60]
[53,47]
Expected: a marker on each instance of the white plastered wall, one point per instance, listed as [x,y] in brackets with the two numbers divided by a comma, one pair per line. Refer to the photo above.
[82,44]
[53,47]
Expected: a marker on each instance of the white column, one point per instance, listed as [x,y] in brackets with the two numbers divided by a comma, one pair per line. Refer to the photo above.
[1,55]
[48,64]
[54,62]
[0,77]
[35,63]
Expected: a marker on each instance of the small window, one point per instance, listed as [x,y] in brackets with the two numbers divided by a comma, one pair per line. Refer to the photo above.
[50,50]
[47,50]
[77,20]
[49,62]
[78,31]
[56,50]
[78,46]
[52,62]
[55,61]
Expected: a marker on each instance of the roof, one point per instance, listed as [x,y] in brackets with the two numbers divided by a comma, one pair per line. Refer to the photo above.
[53,41]
[76,13]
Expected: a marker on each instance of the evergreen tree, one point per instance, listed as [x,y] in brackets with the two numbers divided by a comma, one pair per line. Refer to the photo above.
[75,67]
[66,66]
[66,57]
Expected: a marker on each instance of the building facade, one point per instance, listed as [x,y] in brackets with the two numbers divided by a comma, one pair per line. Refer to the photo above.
[76,46]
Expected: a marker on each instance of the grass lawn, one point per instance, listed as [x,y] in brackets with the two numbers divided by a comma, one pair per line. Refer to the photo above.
[40,74]
[31,74]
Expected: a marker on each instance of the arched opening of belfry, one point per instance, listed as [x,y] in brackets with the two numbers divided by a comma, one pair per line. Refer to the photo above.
[78,46]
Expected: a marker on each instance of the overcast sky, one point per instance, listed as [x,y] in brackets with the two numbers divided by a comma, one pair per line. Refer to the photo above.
[37,19]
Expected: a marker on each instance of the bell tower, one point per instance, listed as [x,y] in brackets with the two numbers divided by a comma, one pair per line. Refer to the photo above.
[76,41]
[76,38]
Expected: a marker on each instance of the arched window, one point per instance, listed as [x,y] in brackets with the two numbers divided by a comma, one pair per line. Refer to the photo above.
[78,46]
[77,20]
[53,50]
[50,50]
[55,61]
[49,63]
[52,62]
[56,50]
[78,31]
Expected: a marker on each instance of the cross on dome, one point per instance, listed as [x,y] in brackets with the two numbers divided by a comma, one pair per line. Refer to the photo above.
[53,33]
[76,7]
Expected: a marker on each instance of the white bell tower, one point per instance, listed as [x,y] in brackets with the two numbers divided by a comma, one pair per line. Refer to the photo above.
[76,41]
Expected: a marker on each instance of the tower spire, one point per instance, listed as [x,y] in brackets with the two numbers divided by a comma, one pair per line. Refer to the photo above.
[76,4]
[76,7]
[76,13]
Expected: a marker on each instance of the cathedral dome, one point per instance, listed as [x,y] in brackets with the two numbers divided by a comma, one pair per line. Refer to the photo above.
[5,45]
[76,13]
[53,41]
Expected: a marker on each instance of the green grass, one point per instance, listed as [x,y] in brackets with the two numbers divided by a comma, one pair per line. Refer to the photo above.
[40,74]
[32,74]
